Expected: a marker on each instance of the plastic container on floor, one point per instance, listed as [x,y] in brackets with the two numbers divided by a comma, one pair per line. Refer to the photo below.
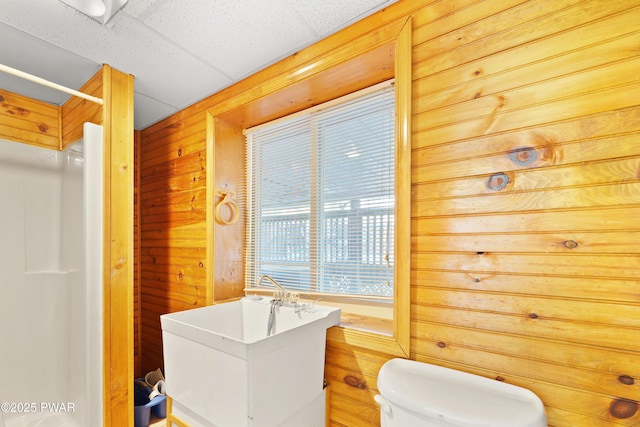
[144,407]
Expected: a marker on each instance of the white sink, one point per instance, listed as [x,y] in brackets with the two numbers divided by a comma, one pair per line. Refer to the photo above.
[223,370]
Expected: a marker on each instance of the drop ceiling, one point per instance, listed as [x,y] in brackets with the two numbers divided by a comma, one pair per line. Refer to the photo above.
[180,51]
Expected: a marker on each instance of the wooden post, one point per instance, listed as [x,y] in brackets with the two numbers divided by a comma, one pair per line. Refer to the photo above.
[118,248]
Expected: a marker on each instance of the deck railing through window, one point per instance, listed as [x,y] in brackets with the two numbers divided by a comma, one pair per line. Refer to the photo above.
[353,246]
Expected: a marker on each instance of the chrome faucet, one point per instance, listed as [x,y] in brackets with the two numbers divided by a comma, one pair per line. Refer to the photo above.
[281,293]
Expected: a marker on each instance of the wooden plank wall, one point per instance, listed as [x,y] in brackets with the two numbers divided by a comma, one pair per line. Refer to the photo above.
[173,234]
[525,205]
[46,125]
[76,111]
[29,121]
[526,197]
[137,336]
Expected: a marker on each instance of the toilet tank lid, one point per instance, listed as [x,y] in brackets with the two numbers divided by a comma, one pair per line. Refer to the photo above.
[457,397]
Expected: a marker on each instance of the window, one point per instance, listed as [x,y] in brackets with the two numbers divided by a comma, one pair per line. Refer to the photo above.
[372,57]
[322,190]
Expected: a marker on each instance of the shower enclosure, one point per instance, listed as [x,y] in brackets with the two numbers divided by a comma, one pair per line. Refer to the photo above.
[51,284]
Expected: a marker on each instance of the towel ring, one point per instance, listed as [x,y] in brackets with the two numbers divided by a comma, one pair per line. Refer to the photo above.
[233,207]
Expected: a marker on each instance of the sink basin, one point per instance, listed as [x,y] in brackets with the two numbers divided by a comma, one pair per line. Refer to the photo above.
[222,369]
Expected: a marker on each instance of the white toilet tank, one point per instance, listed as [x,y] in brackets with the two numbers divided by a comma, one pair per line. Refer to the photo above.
[419,394]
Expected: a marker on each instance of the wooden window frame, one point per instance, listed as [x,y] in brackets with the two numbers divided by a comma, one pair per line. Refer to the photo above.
[294,85]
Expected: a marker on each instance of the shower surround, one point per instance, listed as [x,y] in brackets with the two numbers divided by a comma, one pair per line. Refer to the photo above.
[51,284]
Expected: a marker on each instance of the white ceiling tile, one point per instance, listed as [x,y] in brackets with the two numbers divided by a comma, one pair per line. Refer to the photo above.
[163,70]
[139,8]
[327,16]
[54,64]
[237,37]
[149,111]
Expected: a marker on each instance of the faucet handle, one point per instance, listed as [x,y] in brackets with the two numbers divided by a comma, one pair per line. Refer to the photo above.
[293,297]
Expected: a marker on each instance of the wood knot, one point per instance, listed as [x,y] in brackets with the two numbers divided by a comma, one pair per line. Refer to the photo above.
[626,379]
[499,378]
[17,111]
[179,152]
[180,275]
[623,408]
[570,244]
[43,128]
[477,72]
[153,260]
[442,344]
[476,279]
[533,316]
[201,264]
[355,382]
[524,156]
[498,181]
[2,99]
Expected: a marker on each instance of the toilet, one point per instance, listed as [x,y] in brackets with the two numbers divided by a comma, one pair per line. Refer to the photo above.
[419,394]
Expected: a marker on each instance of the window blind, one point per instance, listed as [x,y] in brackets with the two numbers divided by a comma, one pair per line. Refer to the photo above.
[321,190]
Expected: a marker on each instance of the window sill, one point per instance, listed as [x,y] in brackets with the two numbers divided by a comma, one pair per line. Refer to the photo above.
[364,323]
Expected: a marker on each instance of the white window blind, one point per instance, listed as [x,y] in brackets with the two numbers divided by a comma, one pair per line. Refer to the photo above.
[321,191]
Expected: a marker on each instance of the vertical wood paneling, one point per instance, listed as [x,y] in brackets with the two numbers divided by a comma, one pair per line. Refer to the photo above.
[525,203]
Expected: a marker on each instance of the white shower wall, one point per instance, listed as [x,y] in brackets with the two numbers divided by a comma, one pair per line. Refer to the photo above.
[50,283]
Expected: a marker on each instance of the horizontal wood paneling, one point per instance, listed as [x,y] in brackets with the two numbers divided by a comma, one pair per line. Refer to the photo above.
[173,227]
[29,121]
[137,336]
[597,243]
[602,289]
[538,280]
[45,125]
[607,266]
[535,284]
[586,132]
[76,111]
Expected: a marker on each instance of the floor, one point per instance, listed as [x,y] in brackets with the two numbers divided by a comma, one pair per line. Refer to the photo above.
[157,422]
